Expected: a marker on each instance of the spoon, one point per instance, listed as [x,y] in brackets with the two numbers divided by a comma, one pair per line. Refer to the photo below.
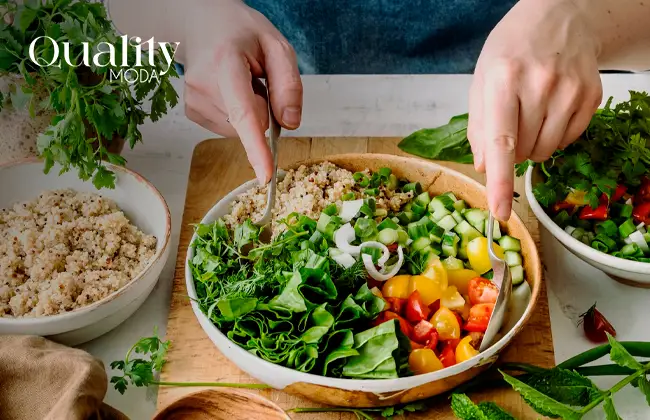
[503,280]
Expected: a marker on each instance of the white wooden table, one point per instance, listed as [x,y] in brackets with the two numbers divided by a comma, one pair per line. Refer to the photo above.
[376,106]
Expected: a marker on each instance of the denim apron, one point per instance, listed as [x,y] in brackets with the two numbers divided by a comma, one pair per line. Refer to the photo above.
[385,36]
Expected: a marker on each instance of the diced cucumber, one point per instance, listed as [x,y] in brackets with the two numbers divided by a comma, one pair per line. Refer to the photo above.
[431,250]
[436,233]
[417,230]
[646,236]
[466,232]
[457,216]
[508,243]
[517,274]
[450,244]
[441,203]
[387,224]
[460,205]
[462,253]
[439,215]
[417,209]
[447,223]
[420,243]
[388,236]
[405,217]
[423,199]
[452,263]
[427,222]
[513,258]
[476,218]
[450,195]
[496,233]
[402,237]
[431,258]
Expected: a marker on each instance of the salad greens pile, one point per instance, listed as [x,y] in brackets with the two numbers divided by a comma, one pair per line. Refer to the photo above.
[564,391]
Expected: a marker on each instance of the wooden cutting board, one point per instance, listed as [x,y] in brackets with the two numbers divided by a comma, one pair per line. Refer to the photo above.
[220,165]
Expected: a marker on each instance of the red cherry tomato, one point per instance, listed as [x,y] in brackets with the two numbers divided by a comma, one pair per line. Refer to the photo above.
[422,332]
[641,213]
[482,291]
[596,326]
[452,343]
[448,356]
[433,308]
[479,317]
[416,311]
[416,346]
[396,305]
[643,194]
[433,340]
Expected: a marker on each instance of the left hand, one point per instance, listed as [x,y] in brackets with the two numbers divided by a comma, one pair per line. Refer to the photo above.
[535,89]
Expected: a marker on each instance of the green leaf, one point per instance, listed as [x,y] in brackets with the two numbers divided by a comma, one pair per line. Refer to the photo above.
[104,178]
[235,308]
[465,409]
[610,411]
[448,142]
[621,356]
[522,168]
[24,18]
[540,402]
[644,386]
[494,412]
[565,386]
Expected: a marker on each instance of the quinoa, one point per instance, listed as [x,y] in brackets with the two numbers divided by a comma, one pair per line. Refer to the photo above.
[308,191]
[65,250]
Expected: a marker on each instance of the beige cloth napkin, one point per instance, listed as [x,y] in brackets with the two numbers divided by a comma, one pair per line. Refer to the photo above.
[40,379]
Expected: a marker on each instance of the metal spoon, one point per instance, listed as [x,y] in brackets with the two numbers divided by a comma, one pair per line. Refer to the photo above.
[503,280]
[274,134]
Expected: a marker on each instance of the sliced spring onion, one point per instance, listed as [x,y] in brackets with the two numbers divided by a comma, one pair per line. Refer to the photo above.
[626,211]
[361,179]
[343,239]
[372,191]
[330,210]
[365,228]
[608,228]
[631,250]
[350,209]
[383,276]
[626,228]
[609,242]
[384,173]
[343,259]
[387,224]
[569,229]
[392,182]
[639,240]
[414,187]
[347,196]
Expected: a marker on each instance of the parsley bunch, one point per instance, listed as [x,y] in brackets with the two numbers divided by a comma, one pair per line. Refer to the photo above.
[614,149]
[91,109]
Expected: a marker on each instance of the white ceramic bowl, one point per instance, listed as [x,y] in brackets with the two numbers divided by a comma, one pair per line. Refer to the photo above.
[629,272]
[142,204]
[365,393]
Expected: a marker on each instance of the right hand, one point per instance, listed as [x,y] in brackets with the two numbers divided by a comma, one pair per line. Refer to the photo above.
[229,46]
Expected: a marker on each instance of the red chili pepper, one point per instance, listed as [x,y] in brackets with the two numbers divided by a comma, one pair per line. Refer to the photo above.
[618,193]
[562,205]
[596,326]
[599,213]
[643,194]
[641,213]
[386,316]
[393,247]
[453,343]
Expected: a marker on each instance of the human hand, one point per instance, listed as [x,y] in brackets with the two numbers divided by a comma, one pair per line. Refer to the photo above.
[228,47]
[535,89]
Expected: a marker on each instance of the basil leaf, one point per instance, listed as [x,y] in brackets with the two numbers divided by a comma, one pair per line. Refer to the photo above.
[448,142]
[622,357]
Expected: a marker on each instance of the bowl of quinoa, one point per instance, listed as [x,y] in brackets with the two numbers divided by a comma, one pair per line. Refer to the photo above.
[76,262]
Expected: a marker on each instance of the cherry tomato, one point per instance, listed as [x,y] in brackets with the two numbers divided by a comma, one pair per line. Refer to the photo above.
[482,291]
[452,299]
[436,271]
[422,332]
[596,326]
[416,311]
[465,351]
[479,317]
[447,356]
[599,213]
[461,278]
[433,308]
[396,305]
[433,340]
[404,325]
[643,194]
[641,213]
[396,287]
[477,253]
[415,346]
[423,361]
[453,343]
[446,324]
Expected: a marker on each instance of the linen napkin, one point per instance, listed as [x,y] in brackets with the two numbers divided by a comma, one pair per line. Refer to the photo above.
[40,379]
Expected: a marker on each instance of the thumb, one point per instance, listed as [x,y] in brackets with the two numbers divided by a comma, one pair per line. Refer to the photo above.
[283,77]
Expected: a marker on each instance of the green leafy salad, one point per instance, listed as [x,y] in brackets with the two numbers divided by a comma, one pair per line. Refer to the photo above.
[360,292]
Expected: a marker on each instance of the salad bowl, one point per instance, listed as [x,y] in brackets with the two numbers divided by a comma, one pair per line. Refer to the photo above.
[379,392]
[632,273]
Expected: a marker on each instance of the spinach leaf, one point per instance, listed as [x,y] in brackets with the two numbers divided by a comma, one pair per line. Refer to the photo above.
[448,142]
[290,298]
[375,347]
[235,308]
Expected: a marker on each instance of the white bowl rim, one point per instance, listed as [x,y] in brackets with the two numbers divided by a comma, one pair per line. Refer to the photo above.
[46,319]
[369,385]
[568,240]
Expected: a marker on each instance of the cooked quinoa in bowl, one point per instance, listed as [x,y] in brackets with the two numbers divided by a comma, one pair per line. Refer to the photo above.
[307,191]
[65,250]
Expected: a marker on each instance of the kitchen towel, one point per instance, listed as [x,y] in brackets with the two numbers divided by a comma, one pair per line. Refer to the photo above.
[40,379]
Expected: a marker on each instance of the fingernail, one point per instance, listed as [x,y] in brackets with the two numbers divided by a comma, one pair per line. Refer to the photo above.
[262,177]
[501,212]
[291,116]
[478,161]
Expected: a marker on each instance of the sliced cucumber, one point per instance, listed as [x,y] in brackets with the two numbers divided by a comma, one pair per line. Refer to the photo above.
[436,233]
[513,258]
[441,203]
[447,223]
[450,195]
[508,243]
[388,236]
[457,216]
[466,232]
[387,224]
[476,218]
[452,263]
[460,205]
[517,273]
[496,233]
[420,243]
[439,215]
[402,237]
[450,244]
[423,199]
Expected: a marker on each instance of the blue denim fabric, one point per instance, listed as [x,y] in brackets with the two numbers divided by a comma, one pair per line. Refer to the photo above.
[385,36]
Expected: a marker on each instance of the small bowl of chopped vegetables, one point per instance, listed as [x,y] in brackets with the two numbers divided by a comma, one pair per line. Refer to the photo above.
[594,196]
[375,288]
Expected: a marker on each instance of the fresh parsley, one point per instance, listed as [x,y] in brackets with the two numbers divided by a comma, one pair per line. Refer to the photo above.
[91,111]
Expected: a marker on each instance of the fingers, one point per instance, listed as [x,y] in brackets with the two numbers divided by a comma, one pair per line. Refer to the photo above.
[234,81]
[285,85]
[500,129]
[534,104]
[474,132]
[581,119]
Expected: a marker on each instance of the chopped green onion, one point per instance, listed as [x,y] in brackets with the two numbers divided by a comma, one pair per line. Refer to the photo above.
[316,237]
[599,246]
[348,196]
[388,236]
[607,241]
[371,191]
[365,228]
[607,228]
[384,173]
[361,179]
[626,228]
[562,218]
[392,182]
[626,211]
[387,224]
[632,250]
[578,233]
[413,187]
[330,210]
[381,213]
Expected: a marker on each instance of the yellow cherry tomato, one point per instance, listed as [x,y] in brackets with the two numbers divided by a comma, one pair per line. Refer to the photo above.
[436,271]
[461,278]
[446,324]
[477,253]
[397,287]
[452,299]
[464,350]
[430,290]
[423,361]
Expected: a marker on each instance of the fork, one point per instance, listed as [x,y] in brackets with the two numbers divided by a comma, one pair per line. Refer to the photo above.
[503,280]
[274,134]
